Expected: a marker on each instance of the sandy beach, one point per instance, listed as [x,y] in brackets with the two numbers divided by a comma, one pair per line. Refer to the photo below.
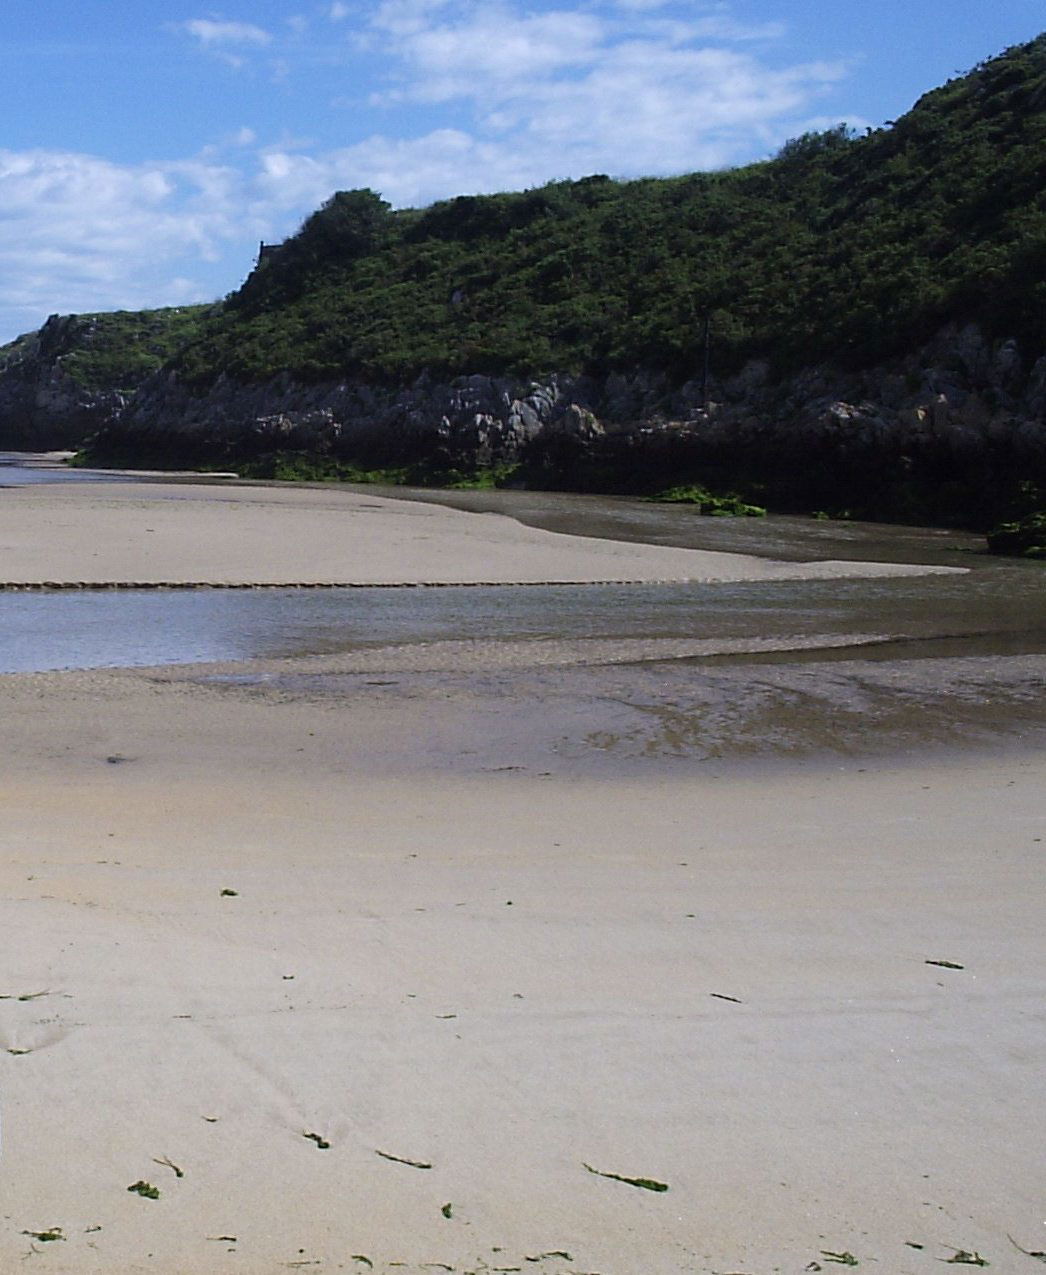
[450,957]
[137,533]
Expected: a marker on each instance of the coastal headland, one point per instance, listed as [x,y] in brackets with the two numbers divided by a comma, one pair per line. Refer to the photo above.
[551,953]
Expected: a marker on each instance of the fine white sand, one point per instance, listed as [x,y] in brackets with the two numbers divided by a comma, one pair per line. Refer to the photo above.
[234,915]
[506,977]
[169,533]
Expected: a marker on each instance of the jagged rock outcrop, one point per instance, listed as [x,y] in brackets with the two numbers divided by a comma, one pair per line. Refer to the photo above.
[958,407]
[478,420]
[79,371]
[910,438]
[41,405]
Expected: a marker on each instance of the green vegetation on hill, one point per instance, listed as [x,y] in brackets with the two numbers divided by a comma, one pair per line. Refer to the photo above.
[108,351]
[120,349]
[117,351]
[841,247]
[1025,538]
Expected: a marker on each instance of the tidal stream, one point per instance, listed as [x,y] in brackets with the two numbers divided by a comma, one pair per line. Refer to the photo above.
[997,607]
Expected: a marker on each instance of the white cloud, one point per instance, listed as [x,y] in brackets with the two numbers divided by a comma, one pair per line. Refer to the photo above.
[78,232]
[402,17]
[488,95]
[227,41]
[211,33]
[623,89]
[490,56]
[407,172]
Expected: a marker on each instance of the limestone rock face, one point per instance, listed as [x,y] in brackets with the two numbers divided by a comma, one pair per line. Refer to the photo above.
[958,403]
[471,420]
[41,405]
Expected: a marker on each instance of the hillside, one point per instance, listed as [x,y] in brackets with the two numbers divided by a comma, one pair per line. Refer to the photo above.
[859,322]
[842,248]
[67,379]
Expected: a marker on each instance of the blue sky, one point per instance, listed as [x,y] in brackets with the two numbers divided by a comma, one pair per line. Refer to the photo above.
[146,146]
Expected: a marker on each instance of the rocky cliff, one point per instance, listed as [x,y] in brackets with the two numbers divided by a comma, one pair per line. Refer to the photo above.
[79,372]
[954,431]
[42,405]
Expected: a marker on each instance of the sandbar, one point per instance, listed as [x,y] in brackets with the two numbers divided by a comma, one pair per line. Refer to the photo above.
[165,533]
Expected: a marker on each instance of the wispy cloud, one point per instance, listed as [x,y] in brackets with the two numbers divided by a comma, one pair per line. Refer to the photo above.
[231,42]
[624,89]
[78,232]
[487,53]
[212,34]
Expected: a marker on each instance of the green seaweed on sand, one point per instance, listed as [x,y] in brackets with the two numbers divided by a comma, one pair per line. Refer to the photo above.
[725,505]
[49,1236]
[1038,1254]
[447,1210]
[145,1189]
[322,1143]
[843,1259]
[645,1184]
[962,1257]
[398,1159]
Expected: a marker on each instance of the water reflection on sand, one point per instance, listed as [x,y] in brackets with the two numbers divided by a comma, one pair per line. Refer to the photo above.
[623,671]
[997,610]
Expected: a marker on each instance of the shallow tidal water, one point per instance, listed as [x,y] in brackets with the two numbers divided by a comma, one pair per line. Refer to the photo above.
[980,614]
[20,469]
[996,607]
[607,678]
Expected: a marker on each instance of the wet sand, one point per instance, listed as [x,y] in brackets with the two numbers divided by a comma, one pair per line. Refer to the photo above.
[749,925]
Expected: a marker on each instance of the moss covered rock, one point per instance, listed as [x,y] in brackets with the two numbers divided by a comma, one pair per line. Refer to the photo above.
[1023,539]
